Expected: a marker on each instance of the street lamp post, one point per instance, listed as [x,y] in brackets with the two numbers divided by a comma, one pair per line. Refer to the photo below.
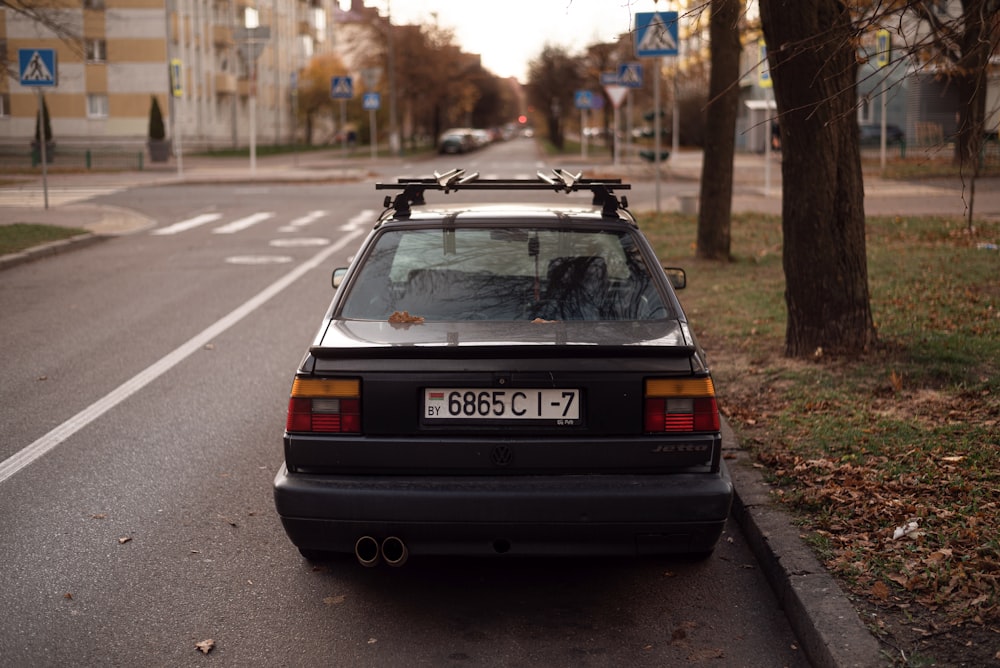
[394,143]
[251,38]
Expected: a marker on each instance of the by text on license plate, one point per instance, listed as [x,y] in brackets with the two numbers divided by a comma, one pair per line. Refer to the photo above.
[492,404]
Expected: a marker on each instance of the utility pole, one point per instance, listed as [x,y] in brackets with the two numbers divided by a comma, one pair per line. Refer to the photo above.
[394,143]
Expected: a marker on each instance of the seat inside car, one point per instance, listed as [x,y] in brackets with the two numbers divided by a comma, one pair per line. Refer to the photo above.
[577,287]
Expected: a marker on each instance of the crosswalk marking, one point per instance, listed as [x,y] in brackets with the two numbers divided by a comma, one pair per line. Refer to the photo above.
[244,223]
[302,221]
[188,224]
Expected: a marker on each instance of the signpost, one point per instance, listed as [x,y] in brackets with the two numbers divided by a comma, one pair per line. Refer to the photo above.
[883,54]
[656,36]
[584,101]
[616,93]
[372,102]
[342,88]
[764,81]
[177,91]
[251,38]
[630,76]
[38,68]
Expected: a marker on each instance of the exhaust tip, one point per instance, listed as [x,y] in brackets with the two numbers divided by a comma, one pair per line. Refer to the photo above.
[394,551]
[366,550]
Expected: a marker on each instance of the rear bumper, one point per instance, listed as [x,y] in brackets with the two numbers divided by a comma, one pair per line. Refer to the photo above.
[518,515]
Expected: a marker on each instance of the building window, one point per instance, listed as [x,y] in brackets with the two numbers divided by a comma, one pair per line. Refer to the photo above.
[93,4]
[97,106]
[97,51]
[4,104]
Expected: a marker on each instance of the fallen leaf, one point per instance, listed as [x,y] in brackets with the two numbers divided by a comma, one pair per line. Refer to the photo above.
[542,321]
[205,646]
[124,539]
[372,641]
[334,600]
[68,596]
[880,590]
[404,317]
[98,516]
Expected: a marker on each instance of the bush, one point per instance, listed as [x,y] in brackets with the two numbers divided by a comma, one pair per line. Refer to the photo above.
[156,129]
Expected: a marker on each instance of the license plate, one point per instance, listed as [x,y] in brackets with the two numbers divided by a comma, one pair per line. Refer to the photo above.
[491,404]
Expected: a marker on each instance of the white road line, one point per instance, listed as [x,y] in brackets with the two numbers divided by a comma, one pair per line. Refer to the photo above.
[307,219]
[244,223]
[49,441]
[188,224]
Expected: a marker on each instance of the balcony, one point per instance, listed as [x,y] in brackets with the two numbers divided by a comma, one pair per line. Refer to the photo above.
[222,36]
[225,84]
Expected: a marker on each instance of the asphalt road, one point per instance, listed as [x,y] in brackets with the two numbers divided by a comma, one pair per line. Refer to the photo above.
[144,382]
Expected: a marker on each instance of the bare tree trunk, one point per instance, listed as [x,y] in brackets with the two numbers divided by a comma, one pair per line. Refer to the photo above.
[811,50]
[716,197]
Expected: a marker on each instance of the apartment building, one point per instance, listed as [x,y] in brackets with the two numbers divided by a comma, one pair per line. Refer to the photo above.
[115,55]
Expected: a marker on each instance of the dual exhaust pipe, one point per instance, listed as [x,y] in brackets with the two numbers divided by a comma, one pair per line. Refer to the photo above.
[392,551]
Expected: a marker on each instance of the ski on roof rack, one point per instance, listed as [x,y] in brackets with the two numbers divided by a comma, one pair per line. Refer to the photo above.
[559,180]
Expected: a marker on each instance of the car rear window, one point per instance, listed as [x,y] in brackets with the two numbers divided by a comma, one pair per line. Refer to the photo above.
[505,274]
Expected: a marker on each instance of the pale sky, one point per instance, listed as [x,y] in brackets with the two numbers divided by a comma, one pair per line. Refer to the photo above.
[509,33]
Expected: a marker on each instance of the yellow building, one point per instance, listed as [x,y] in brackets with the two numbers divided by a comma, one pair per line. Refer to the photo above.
[114,55]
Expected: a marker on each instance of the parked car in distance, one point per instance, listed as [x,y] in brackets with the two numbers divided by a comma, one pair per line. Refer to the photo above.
[871,133]
[456,140]
[503,379]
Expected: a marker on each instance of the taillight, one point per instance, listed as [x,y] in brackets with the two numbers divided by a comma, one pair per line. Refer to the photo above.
[325,405]
[680,405]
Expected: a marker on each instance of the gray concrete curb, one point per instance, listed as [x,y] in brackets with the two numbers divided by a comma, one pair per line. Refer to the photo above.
[825,622]
[47,249]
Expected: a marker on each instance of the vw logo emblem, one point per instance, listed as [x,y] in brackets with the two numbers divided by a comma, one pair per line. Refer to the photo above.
[501,455]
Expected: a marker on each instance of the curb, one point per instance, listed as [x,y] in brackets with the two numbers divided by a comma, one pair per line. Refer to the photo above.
[48,249]
[822,617]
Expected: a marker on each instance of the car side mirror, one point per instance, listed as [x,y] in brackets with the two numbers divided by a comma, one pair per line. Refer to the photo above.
[677,277]
[338,276]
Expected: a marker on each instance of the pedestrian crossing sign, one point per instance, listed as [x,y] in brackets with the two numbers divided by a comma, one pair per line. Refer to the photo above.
[583,99]
[37,67]
[630,75]
[656,34]
[341,88]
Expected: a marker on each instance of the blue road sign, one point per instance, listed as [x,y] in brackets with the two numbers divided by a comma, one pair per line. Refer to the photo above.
[630,75]
[656,34]
[371,101]
[609,78]
[37,67]
[341,88]
[584,99]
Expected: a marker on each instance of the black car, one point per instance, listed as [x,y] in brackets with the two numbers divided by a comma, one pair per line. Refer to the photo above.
[871,133]
[496,379]
[456,141]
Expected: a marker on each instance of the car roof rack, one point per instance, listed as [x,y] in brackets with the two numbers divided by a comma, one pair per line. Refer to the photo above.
[559,180]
